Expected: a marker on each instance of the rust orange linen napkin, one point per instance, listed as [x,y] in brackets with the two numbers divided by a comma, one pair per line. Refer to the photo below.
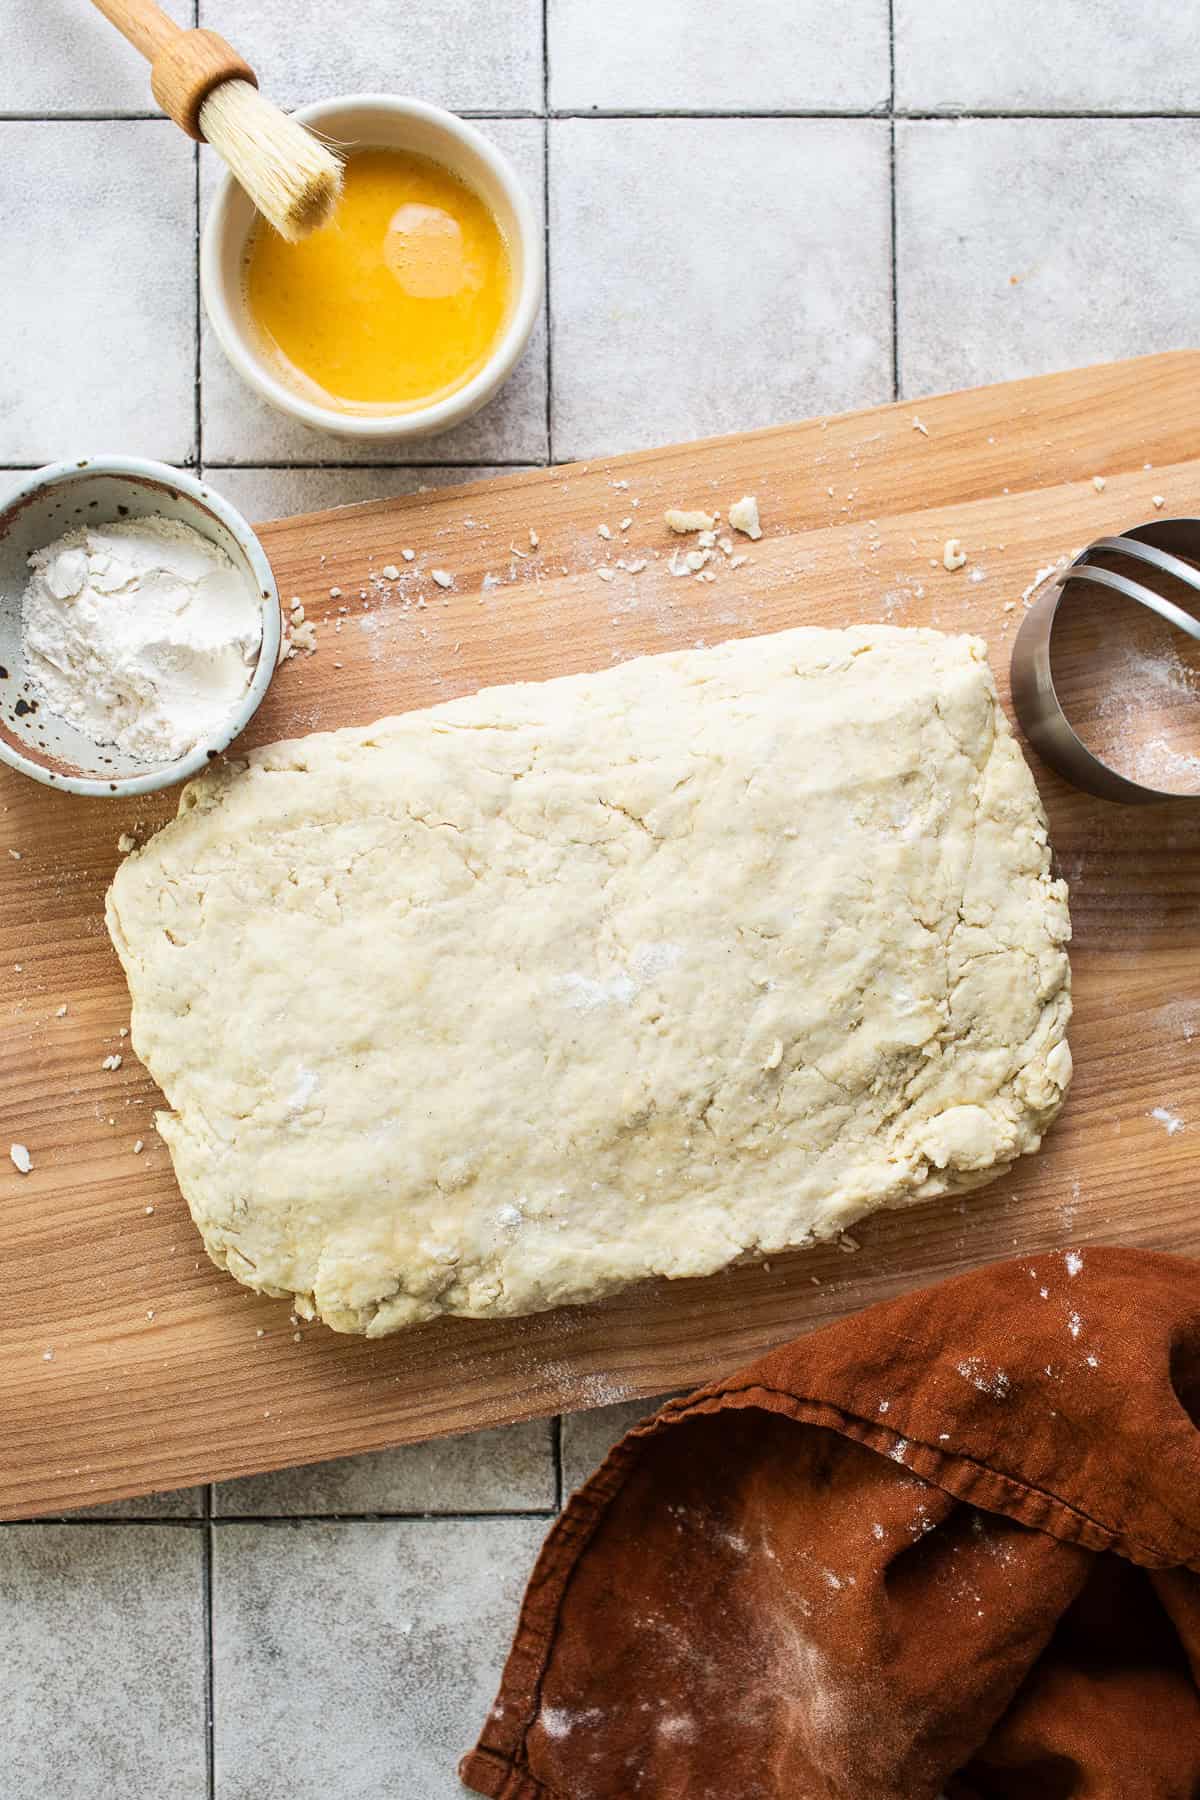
[949,1546]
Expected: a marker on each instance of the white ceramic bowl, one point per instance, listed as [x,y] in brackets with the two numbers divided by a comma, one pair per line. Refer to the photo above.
[381,121]
[95,491]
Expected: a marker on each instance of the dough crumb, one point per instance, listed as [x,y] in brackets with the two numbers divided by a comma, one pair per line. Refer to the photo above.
[408,555]
[126,842]
[953,554]
[138,1146]
[61,1012]
[1041,576]
[680,520]
[335,593]
[21,1159]
[111,1062]
[603,531]
[297,612]
[1159,499]
[605,574]
[917,426]
[16,855]
[390,572]
[443,578]
[743,516]
[626,523]
[848,1243]
[1099,483]
[534,540]
[303,637]
[1170,1122]
[636,566]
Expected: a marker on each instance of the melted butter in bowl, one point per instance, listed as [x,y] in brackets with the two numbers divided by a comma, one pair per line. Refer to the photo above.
[398,302]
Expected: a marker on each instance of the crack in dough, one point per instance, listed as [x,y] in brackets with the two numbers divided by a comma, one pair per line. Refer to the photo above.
[612,976]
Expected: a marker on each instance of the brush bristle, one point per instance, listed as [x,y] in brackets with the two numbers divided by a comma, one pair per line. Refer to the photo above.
[292,178]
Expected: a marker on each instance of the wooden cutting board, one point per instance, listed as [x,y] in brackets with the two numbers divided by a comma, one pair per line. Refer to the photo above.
[128,1363]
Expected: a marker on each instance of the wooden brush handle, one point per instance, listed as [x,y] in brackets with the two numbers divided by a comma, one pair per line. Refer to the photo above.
[185,66]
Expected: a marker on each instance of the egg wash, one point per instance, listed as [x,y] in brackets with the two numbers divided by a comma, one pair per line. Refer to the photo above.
[394,304]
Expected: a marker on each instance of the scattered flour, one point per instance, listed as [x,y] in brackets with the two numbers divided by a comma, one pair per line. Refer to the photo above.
[994,1382]
[560,1721]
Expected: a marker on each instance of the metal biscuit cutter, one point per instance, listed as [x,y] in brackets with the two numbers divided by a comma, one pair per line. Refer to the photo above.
[1161,547]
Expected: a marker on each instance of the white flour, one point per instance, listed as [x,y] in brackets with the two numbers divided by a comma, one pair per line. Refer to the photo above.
[141,634]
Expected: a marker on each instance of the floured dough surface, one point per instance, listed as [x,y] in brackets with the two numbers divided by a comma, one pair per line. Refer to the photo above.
[511,1002]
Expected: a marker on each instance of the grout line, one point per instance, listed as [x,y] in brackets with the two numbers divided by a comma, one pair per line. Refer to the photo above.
[210,1520]
[79,118]
[17,468]
[710,112]
[197,407]
[546,231]
[1001,112]
[892,195]
[220,1520]
[952,114]
[141,1519]
[556,1444]
[210,1762]
[876,112]
[483,462]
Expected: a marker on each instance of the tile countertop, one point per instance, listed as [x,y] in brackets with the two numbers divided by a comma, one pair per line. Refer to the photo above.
[799,208]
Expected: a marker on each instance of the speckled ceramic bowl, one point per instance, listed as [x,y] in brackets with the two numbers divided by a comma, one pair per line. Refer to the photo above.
[95,491]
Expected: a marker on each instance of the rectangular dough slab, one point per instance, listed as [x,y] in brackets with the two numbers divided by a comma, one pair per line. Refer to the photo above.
[511,1002]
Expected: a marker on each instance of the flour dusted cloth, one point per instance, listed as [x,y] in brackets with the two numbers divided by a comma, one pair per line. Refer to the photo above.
[947,1546]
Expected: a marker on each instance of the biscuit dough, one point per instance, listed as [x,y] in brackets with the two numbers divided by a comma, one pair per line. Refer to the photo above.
[514,1001]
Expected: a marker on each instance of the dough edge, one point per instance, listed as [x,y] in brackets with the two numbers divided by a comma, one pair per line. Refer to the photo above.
[961,1148]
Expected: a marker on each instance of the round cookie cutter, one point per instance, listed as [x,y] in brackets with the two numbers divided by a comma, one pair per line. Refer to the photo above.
[1163,546]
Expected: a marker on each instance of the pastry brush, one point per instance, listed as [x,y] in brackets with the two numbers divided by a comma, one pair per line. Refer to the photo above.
[212,94]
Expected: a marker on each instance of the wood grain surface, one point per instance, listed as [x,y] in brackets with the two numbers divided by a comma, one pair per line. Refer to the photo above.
[128,1363]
